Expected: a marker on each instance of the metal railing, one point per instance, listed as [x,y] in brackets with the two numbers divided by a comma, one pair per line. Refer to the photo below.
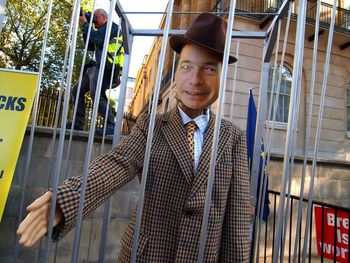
[48,106]
[342,16]
[270,6]
[248,6]
[268,232]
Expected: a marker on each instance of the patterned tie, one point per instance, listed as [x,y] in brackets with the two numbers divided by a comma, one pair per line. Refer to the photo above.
[191,127]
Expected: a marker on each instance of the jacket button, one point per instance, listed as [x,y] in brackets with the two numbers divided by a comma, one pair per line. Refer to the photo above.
[188,213]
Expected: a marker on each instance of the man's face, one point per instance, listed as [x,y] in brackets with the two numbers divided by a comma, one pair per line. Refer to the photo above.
[197,79]
[100,20]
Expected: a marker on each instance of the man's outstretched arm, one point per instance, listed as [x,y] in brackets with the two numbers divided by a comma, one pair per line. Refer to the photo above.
[35,225]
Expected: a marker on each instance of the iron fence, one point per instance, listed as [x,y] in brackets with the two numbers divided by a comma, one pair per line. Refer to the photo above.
[318,249]
[49,105]
[342,19]
[270,6]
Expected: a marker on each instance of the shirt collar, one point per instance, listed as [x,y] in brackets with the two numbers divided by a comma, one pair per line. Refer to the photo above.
[201,120]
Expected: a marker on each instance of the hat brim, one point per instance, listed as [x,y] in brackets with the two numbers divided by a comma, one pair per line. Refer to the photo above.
[178,42]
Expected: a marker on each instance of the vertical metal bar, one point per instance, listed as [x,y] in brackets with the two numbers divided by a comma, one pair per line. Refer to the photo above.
[275,106]
[122,96]
[322,234]
[263,178]
[154,79]
[310,243]
[34,114]
[299,244]
[260,122]
[116,139]
[270,135]
[91,135]
[234,81]
[307,138]
[273,90]
[274,224]
[150,130]
[62,135]
[297,61]
[319,124]
[173,69]
[65,171]
[58,105]
[90,239]
[266,223]
[57,115]
[290,231]
[56,251]
[37,252]
[110,88]
[335,236]
[223,76]
[281,254]
[292,152]
[348,236]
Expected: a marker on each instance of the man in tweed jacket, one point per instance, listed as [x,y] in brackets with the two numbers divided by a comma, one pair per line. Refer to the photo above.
[176,187]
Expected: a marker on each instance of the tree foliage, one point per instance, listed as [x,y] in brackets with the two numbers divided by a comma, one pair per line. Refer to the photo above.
[21,39]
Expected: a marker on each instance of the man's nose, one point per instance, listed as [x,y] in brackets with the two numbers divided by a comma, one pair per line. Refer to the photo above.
[196,76]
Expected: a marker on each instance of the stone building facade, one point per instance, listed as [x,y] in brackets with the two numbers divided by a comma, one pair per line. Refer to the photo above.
[332,176]
[334,150]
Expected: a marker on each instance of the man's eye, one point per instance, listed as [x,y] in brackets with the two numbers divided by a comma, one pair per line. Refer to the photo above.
[210,69]
[185,67]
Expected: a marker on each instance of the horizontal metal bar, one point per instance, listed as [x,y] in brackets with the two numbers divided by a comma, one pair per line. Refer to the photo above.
[315,202]
[235,34]
[120,13]
[192,12]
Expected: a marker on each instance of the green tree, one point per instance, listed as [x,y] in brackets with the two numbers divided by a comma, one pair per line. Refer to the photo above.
[21,39]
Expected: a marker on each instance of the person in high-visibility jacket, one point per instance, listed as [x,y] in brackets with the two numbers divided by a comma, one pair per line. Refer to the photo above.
[115,55]
[91,69]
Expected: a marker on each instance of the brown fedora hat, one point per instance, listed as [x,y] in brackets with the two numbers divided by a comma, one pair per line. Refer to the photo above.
[208,31]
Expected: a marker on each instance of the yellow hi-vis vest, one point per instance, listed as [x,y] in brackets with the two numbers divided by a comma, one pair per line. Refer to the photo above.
[115,48]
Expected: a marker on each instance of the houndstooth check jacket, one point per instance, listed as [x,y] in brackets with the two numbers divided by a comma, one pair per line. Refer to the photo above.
[174,197]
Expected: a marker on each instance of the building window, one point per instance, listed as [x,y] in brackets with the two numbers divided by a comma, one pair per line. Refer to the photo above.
[348,108]
[284,96]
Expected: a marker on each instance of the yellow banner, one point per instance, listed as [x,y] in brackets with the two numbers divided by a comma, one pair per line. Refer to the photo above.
[17,91]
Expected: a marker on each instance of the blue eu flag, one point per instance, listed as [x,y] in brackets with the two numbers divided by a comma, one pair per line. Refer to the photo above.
[251,124]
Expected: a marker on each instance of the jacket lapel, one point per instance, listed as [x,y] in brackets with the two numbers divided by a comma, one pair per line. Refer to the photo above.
[175,135]
[202,174]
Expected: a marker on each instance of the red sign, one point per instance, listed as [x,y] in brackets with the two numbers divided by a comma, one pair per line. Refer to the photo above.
[335,231]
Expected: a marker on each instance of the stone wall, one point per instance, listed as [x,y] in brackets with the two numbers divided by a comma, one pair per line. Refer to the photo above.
[123,203]
[331,186]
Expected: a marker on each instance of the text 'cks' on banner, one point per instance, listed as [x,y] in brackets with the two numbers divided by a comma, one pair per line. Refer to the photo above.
[17,91]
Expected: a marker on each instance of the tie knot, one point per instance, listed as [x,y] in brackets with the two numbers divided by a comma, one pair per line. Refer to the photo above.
[191,126]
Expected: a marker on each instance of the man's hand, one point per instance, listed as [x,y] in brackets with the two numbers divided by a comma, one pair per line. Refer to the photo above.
[82,18]
[35,225]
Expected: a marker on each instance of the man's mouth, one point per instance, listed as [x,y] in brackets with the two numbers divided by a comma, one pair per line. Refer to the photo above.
[195,93]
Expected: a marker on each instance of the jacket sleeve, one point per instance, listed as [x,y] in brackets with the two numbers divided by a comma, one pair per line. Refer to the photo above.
[97,37]
[235,242]
[107,173]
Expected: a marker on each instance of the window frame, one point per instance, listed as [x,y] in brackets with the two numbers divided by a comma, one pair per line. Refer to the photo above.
[278,125]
